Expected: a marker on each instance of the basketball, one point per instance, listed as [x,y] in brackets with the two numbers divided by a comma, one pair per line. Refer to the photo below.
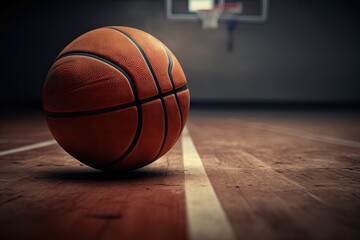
[116,98]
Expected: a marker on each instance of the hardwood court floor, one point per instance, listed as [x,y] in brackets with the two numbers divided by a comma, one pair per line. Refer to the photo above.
[287,175]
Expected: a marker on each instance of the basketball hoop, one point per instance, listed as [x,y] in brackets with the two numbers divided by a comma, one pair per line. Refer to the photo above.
[210,17]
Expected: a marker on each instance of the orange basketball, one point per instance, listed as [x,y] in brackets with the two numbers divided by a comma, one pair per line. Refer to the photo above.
[116,98]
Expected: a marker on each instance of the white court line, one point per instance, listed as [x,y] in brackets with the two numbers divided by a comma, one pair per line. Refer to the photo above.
[301,134]
[206,218]
[28,147]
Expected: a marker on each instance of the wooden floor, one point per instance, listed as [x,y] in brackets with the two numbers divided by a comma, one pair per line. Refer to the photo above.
[284,175]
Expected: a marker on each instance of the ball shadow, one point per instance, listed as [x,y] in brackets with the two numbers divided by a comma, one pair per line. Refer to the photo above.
[88,174]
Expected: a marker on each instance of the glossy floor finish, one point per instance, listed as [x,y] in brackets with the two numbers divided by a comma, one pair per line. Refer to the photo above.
[275,175]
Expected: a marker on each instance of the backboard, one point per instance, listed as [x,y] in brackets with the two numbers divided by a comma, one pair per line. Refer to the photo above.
[185,10]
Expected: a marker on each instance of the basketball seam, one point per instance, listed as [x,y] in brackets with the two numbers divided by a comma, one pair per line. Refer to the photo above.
[156,82]
[98,57]
[171,65]
[138,105]
[112,108]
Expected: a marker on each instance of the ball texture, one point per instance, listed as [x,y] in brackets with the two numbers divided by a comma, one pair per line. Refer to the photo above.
[116,98]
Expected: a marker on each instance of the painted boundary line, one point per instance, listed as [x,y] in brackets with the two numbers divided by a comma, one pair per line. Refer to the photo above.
[300,134]
[28,147]
[206,219]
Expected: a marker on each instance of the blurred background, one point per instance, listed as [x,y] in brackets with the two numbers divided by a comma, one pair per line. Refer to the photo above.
[305,54]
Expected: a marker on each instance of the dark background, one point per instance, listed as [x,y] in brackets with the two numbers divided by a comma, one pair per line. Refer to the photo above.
[307,52]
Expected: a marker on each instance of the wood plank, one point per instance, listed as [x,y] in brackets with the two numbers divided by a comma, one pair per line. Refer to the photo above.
[257,175]
[46,194]
[271,185]
[20,130]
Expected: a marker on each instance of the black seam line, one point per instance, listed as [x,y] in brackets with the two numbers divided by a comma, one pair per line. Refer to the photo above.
[86,54]
[156,82]
[114,108]
[143,54]
[171,65]
[138,106]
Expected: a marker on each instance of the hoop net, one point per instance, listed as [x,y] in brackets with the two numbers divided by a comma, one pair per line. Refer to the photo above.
[210,17]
